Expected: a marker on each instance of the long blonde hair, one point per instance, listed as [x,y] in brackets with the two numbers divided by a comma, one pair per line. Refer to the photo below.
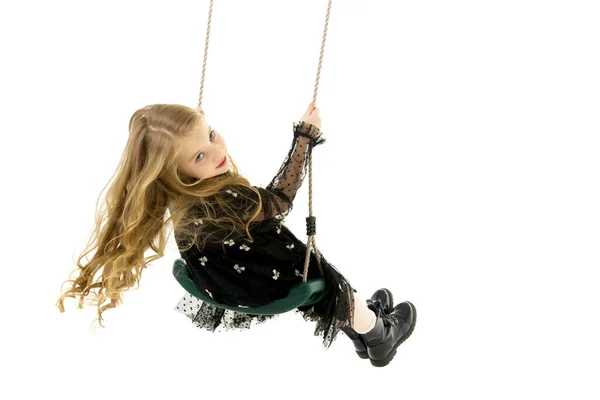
[146,184]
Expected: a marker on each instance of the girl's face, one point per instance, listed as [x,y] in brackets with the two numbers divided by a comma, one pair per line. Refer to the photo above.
[204,153]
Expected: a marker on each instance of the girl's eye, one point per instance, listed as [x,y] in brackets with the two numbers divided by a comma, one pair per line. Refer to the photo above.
[211,135]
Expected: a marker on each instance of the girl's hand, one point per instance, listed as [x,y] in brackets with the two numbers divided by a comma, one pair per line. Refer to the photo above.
[312,116]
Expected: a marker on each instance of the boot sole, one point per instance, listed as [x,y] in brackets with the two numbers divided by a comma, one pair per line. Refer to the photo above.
[389,357]
[364,354]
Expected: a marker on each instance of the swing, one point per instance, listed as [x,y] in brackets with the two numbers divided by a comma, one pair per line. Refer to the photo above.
[302,294]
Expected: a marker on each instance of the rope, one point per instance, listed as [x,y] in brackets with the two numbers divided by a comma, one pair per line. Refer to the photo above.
[322,51]
[210,7]
[311,238]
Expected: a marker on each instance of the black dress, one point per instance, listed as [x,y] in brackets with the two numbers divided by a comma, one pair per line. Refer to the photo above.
[250,274]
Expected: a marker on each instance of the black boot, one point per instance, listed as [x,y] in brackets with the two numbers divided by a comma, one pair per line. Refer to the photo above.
[381,299]
[389,332]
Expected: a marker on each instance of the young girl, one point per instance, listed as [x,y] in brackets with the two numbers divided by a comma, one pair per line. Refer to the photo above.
[230,234]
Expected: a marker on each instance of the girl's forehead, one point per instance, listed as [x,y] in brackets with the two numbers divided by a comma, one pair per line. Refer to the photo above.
[200,126]
[195,134]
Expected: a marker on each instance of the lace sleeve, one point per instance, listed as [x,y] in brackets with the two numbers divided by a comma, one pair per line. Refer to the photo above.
[279,195]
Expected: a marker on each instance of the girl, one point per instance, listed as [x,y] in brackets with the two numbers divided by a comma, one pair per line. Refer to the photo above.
[230,234]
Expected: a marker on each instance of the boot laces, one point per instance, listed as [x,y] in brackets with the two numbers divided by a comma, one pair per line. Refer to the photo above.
[388,319]
[377,304]
[393,318]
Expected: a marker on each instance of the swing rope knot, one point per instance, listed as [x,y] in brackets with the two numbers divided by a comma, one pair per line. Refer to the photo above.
[311,226]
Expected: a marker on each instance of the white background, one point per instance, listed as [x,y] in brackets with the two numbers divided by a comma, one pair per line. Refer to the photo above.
[461,171]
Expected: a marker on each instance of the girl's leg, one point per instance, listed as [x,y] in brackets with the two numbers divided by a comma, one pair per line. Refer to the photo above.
[364,317]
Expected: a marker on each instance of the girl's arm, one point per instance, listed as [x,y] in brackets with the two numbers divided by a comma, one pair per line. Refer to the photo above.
[278,197]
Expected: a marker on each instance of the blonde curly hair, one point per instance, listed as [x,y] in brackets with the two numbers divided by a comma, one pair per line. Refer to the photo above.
[146,184]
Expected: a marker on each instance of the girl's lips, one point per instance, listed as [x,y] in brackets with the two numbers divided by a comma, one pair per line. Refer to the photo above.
[223,162]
